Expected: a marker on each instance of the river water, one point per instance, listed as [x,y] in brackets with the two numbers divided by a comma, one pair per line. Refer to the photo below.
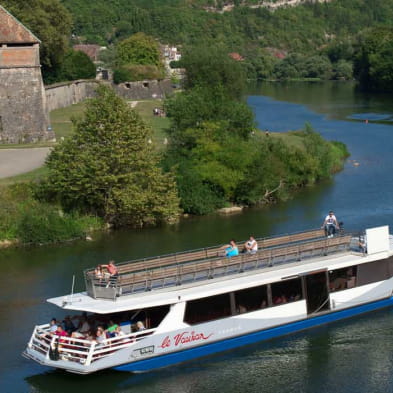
[354,355]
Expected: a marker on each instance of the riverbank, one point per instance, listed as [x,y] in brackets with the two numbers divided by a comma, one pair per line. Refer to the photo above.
[301,158]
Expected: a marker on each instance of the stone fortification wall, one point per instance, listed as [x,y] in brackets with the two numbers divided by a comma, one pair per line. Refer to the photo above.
[69,93]
[23,113]
[144,90]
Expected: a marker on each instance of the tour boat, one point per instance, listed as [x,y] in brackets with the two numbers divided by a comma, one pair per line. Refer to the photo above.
[198,303]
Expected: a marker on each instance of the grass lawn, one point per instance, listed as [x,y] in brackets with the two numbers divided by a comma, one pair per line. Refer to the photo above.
[62,124]
[60,119]
[157,123]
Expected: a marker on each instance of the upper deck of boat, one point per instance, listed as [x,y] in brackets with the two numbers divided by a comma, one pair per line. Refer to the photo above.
[196,266]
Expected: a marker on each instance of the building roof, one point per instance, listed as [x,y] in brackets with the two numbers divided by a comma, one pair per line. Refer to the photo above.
[236,56]
[14,32]
[90,50]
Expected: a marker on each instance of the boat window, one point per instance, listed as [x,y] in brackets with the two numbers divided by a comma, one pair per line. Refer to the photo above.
[342,278]
[251,299]
[150,317]
[373,272]
[286,291]
[207,309]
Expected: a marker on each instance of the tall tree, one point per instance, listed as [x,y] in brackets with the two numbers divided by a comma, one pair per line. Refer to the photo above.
[109,168]
[138,49]
[373,64]
[212,67]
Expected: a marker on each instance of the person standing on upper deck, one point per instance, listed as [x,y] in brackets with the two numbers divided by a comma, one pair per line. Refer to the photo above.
[330,224]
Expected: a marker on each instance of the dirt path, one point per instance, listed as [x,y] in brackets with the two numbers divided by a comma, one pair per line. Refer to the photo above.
[16,161]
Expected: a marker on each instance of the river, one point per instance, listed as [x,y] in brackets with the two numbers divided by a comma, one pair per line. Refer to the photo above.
[347,356]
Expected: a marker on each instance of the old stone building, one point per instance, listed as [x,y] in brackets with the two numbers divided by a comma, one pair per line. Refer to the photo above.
[23,112]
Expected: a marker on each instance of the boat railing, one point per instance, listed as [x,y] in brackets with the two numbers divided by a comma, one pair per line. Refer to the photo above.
[159,273]
[80,350]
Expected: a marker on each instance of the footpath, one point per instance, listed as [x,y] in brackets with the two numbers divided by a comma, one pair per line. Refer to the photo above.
[16,161]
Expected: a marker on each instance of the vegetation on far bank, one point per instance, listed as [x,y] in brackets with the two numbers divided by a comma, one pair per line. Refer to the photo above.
[110,170]
[338,39]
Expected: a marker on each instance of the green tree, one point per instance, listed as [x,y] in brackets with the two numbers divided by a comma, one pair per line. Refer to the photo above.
[139,49]
[343,70]
[50,21]
[109,168]
[373,64]
[212,67]
[317,67]
[76,65]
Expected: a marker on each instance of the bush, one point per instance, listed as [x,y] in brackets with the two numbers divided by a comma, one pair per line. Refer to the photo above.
[132,73]
[24,218]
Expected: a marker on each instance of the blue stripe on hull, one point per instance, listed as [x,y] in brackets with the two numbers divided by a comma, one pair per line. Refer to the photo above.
[192,353]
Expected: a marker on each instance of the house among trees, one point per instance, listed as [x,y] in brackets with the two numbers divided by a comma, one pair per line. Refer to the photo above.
[90,50]
[23,111]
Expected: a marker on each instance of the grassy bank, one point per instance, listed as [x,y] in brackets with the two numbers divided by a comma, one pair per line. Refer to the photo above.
[26,220]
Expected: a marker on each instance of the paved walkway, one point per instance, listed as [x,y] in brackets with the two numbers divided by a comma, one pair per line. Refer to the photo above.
[16,161]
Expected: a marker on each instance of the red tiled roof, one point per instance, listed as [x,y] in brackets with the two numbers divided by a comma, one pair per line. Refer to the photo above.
[89,49]
[13,32]
[236,56]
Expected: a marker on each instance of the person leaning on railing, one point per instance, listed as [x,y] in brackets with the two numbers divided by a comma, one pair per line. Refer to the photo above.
[111,270]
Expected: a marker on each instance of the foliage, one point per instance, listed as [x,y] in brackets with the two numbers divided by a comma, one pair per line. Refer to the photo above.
[109,168]
[213,68]
[139,49]
[24,218]
[76,65]
[201,104]
[50,21]
[310,30]
[343,69]
[374,59]
[132,73]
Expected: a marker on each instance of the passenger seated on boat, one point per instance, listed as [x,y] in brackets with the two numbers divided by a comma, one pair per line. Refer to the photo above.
[100,337]
[111,330]
[83,328]
[250,246]
[263,304]
[363,244]
[68,325]
[280,299]
[61,334]
[111,270]
[230,250]
[242,309]
[140,326]
[98,273]
[330,225]
[53,326]
[52,329]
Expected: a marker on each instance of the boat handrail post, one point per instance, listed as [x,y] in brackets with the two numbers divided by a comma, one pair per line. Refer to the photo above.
[51,345]
[32,336]
[90,354]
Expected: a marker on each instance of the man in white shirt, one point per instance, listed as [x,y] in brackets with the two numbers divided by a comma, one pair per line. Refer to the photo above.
[251,245]
[330,224]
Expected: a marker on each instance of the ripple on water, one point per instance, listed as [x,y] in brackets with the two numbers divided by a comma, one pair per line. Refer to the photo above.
[371,117]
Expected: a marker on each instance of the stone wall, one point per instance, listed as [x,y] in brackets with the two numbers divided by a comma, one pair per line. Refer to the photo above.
[23,114]
[69,93]
[144,90]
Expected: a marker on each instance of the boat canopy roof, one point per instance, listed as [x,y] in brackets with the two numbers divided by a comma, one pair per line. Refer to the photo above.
[195,290]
